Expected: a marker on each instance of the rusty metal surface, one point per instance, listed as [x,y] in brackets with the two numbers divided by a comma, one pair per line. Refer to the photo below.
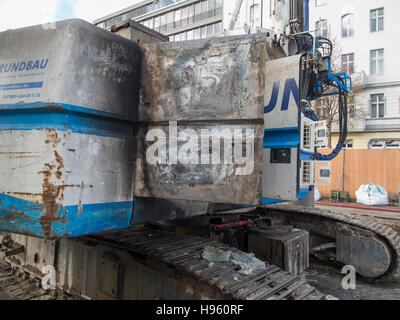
[67,150]
[158,249]
[58,189]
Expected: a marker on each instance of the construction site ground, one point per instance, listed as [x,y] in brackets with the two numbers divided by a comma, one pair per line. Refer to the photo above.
[328,280]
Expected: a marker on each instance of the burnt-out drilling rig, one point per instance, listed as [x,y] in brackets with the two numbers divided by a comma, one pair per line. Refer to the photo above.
[119,149]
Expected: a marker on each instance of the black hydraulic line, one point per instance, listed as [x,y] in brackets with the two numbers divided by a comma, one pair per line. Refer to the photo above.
[343,117]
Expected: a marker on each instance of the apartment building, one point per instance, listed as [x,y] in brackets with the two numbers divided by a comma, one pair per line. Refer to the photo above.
[366,34]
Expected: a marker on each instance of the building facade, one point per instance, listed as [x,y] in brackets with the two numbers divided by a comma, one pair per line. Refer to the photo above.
[365,33]
[179,19]
[199,19]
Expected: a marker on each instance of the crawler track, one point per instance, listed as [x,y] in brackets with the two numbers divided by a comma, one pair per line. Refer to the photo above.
[17,286]
[183,253]
[389,236]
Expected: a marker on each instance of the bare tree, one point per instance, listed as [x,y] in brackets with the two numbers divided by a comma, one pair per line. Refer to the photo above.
[327,107]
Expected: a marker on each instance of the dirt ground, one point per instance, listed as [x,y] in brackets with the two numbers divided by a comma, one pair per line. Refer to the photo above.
[328,280]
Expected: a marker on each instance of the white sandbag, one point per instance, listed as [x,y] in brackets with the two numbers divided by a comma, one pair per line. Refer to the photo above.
[372,195]
[317,194]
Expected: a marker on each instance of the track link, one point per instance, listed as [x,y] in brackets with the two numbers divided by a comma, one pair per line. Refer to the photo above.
[154,247]
[17,286]
[383,232]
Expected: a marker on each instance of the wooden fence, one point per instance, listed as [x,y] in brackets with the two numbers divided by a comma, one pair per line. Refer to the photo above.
[380,167]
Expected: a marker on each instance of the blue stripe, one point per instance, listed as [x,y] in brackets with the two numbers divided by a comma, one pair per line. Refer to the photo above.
[306,155]
[306,15]
[266,201]
[302,194]
[281,138]
[69,107]
[25,217]
[282,129]
[19,86]
[64,120]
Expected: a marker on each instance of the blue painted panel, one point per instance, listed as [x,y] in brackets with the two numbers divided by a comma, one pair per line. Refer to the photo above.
[29,218]
[306,155]
[63,106]
[21,86]
[266,201]
[302,194]
[306,15]
[281,138]
[64,120]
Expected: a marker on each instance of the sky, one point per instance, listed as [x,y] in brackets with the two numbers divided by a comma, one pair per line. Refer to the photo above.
[22,13]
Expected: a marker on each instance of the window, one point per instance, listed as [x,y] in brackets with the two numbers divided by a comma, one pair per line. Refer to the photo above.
[348,63]
[197,33]
[348,144]
[197,11]
[377,61]
[211,5]
[348,25]
[190,35]
[384,144]
[254,17]
[377,20]
[191,14]
[322,28]
[210,30]
[204,9]
[185,14]
[178,18]
[157,21]
[203,32]
[170,20]
[163,23]
[218,28]
[151,23]
[377,106]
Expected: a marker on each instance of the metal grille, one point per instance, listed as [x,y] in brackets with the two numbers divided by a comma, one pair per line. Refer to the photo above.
[307,137]
[307,178]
